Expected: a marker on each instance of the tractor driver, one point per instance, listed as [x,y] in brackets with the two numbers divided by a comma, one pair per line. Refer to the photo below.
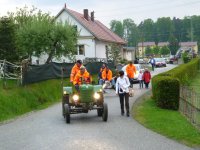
[81,77]
[75,70]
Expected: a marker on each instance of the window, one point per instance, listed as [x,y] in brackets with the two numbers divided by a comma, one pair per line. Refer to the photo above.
[81,50]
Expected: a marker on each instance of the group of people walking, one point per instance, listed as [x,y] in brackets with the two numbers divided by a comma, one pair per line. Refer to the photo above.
[121,82]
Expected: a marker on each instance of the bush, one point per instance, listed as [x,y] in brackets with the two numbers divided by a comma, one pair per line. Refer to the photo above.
[166,92]
[185,58]
[165,86]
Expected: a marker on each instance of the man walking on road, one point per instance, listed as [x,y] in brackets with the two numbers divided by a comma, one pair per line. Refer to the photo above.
[153,63]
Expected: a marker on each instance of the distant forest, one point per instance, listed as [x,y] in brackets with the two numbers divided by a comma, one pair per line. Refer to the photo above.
[162,30]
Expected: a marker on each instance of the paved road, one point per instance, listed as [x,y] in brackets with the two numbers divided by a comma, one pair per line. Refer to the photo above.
[46,130]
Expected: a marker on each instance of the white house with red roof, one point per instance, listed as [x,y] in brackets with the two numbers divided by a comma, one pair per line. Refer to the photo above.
[94,37]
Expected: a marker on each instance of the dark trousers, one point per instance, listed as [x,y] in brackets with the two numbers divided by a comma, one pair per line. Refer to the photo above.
[141,83]
[152,65]
[121,98]
[146,85]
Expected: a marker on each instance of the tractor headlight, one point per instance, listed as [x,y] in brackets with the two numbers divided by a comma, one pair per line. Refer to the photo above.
[65,92]
[96,95]
[75,98]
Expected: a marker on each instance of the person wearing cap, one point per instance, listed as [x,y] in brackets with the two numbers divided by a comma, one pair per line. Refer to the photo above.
[81,77]
[75,70]
[122,89]
[130,71]
[107,76]
[146,78]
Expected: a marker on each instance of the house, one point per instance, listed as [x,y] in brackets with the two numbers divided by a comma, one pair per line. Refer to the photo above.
[188,46]
[129,53]
[142,47]
[161,44]
[94,37]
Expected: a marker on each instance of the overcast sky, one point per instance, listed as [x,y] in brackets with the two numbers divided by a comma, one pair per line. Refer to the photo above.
[107,10]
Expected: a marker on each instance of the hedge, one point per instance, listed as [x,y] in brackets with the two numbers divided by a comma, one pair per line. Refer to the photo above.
[165,86]
[166,92]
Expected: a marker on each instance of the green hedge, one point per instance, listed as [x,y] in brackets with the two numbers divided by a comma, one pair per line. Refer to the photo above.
[165,86]
[166,92]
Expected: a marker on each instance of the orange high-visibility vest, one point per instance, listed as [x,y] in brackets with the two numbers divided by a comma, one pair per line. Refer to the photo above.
[82,78]
[130,70]
[107,75]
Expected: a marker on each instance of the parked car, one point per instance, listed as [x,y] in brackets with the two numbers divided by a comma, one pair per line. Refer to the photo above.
[167,59]
[138,68]
[160,62]
[141,61]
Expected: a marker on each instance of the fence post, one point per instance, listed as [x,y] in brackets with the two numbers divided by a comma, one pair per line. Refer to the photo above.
[4,75]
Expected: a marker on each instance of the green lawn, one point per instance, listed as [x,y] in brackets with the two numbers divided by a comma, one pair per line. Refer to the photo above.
[166,122]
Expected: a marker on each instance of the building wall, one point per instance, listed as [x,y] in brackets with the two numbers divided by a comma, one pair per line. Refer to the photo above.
[101,49]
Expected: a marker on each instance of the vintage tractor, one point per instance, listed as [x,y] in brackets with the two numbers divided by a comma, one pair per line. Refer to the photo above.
[89,97]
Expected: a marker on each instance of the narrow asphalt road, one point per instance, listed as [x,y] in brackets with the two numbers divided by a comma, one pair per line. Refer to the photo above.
[47,130]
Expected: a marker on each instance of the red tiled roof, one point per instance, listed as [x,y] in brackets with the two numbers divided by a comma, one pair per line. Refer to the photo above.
[146,44]
[98,30]
[188,43]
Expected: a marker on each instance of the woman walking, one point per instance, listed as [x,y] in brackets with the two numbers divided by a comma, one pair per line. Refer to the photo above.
[146,78]
[122,89]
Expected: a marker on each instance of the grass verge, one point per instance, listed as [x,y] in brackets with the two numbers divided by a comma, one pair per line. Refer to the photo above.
[166,122]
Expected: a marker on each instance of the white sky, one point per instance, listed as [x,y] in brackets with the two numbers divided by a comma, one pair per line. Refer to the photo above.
[107,10]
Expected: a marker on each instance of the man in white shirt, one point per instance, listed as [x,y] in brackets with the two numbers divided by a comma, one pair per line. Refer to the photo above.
[122,89]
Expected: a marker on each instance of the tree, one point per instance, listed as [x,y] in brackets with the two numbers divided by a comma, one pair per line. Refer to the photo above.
[164,50]
[173,45]
[147,30]
[7,40]
[148,51]
[114,53]
[131,32]
[156,50]
[164,28]
[117,27]
[40,34]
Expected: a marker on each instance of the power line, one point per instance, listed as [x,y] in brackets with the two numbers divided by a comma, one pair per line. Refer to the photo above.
[152,9]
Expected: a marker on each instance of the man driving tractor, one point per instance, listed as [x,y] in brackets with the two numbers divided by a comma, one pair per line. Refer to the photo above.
[75,70]
[81,77]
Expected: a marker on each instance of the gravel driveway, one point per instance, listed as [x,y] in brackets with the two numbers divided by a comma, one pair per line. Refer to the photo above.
[47,130]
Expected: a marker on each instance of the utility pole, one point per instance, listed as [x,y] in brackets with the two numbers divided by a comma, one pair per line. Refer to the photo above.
[191,29]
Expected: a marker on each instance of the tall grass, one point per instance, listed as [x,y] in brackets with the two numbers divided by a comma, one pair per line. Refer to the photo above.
[15,100]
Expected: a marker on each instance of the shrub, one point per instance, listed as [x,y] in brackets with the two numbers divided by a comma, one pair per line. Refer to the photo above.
[166,92]
[165,86]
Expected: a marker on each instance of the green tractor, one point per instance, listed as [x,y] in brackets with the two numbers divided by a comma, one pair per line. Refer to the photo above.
[89,97]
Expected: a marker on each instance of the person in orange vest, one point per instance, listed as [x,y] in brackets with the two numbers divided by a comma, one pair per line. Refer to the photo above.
[130,71]
[75,70]
[100,72]
[107,76]
[81,77]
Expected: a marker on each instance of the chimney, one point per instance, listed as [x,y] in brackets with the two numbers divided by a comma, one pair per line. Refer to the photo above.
[92,15]
[85,12]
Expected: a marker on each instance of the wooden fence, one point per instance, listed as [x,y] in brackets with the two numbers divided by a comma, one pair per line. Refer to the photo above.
[189,105]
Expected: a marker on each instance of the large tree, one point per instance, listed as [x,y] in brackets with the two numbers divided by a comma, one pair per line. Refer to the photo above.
[173,44]
[7,40]
[38,33]
[147,30]
[117,27]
